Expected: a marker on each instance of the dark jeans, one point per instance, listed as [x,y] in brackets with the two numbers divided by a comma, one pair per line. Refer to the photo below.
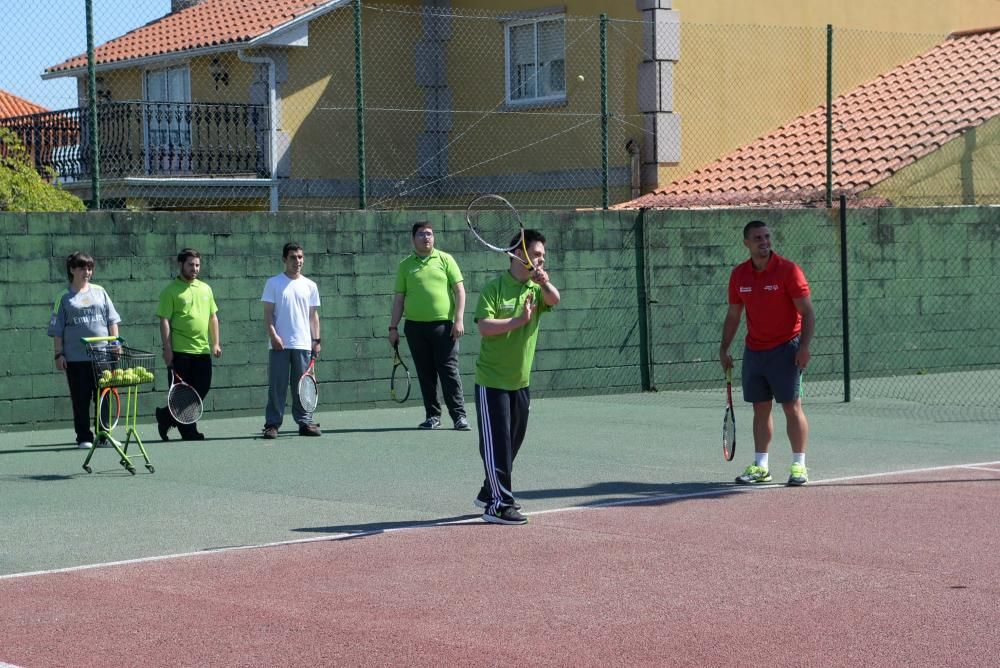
[435,354]
[196,370]
[284,369]
[80,377]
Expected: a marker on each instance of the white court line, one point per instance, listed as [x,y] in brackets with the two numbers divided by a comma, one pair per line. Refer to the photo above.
[419,525]
[982,468]
[905,472]
[8,665]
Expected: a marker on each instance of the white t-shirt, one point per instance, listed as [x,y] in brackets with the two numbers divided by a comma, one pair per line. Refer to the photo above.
[292,300]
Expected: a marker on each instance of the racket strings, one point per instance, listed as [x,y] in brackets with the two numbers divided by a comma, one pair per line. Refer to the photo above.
[729,429]
[729,435]
[308,393]
[399,383]
[184,404]
[495,222]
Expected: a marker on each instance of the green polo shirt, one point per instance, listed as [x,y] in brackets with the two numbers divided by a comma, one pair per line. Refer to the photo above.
[504,361]
[426,284]
[188,307]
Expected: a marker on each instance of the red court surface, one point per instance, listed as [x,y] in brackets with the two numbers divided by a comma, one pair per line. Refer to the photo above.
[868,571]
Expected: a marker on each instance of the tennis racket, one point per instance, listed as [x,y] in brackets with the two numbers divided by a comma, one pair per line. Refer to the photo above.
[729,422]
[109,408]
[497,225]
[399,382]
[308,387]
[183,401]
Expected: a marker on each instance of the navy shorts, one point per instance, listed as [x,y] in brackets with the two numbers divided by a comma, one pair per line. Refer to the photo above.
[772,374]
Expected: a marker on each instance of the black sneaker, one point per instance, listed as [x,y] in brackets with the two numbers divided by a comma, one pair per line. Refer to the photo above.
[430,423]
[270,431]
[505,515]
[163,423]
[196,436]
[483,499]
[309,430]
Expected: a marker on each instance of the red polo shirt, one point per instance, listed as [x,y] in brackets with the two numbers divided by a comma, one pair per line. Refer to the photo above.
[767,298]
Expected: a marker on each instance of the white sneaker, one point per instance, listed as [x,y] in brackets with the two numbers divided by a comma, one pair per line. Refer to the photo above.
[85,445]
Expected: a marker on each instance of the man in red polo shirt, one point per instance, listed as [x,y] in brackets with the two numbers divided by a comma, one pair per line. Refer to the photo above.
[780,325]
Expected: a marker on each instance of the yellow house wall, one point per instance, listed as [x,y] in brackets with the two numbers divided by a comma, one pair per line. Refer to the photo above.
[540,136]
[203,87]
[747,68]
[318,98]
[963,171]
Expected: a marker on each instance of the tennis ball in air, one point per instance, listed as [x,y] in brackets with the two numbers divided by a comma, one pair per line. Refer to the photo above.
[579,77]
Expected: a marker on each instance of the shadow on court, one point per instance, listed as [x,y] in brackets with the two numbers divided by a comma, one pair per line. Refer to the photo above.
[375,528]
[602,493]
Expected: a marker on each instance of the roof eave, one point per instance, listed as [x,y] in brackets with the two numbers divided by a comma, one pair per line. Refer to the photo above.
[264,38]
[260,40]
[147,60]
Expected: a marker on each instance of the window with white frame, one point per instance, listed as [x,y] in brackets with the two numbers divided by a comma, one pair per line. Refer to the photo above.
[167,120]
[536,59]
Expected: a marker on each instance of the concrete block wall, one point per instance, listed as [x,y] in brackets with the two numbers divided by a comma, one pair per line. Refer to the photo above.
[923,287]
[351,255]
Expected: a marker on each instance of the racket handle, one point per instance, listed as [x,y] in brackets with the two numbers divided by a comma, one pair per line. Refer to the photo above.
[729,375]
[527,265]
[99,339]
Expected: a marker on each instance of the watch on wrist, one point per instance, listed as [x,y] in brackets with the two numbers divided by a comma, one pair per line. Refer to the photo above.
[393,329]
[316,341]
[58,355]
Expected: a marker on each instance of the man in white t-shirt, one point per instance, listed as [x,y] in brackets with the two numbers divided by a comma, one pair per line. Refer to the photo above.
[291,316]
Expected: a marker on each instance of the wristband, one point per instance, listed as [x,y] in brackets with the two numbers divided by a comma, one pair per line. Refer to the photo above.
[316,340]
[393,329]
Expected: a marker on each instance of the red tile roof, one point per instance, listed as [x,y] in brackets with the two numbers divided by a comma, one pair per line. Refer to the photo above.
[11,105]
[210,23]
[879,128]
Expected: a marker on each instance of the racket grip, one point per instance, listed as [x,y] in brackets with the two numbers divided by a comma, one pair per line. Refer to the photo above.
[99,339]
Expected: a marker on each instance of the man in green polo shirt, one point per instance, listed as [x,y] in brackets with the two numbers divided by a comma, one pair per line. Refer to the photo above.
[431,292]
[189,327]
[508,314]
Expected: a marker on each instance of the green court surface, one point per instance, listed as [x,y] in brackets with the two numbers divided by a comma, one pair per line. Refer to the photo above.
[373,470]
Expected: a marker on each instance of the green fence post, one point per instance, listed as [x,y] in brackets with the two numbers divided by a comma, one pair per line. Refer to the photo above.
[643,302]
[95,156]
[844,316]
[829,116]
[605,194]
[360,103]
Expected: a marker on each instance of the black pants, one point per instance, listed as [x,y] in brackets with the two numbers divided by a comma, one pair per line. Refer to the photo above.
[196,370]
[502,417]
[435,354]
[80,377]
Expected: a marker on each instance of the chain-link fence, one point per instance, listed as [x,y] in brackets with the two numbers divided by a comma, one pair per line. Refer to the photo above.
[298,104]
[904,299]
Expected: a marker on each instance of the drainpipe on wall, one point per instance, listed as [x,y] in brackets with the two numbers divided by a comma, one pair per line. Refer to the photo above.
[272,106]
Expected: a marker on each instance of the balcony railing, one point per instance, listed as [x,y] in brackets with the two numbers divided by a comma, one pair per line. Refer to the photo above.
[149,139]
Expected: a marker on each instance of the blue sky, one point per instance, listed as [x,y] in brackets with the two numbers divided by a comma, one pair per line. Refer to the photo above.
[41,33]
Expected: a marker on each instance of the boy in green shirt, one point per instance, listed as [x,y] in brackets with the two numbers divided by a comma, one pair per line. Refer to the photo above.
[508,314]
